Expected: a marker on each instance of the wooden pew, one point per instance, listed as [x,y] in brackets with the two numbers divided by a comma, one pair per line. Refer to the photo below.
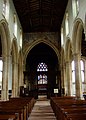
[75,116]
[64,107]
[20,106]
[8,117]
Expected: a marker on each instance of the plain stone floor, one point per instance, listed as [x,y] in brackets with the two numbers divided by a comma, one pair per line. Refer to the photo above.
[42,110]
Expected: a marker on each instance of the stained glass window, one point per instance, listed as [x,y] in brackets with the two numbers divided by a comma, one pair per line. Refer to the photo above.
[42,69]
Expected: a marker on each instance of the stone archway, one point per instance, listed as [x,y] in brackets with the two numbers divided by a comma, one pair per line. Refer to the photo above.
[5,41]
[77,36]
[53,45]
[28,47]
[76,42]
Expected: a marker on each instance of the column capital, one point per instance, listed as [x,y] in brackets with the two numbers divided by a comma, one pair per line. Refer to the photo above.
[76,54]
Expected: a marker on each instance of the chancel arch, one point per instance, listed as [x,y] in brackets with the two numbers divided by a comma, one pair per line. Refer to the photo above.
[28,47]
[42,52]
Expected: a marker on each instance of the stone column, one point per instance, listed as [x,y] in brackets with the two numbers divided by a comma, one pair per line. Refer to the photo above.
[78,81]
[20,76]
[65,80]
[8,72]
[14,79]
[17,80]
[21,82]
[62,77]
[68,77]
[4,93]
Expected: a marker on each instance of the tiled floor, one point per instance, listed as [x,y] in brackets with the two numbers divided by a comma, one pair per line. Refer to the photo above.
[42,111]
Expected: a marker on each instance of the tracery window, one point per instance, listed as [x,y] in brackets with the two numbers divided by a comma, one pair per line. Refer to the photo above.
[42,69]
[42,79]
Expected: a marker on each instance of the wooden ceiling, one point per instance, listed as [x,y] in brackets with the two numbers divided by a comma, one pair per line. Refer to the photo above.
[40,15]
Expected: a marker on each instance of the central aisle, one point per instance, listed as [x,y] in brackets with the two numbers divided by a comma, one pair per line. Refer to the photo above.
[42,111]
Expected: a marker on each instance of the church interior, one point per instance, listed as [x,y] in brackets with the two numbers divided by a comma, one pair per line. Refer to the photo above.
[42,58]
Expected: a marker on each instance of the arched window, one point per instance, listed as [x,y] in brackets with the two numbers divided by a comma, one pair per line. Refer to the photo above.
[4,7]
[42,69]
[62,39]
[73,71]
[67,24]
[82,70]
[1,69]
[73,75]
[75,7]
[21,38]
[15,25]
[5,10]
[42,79]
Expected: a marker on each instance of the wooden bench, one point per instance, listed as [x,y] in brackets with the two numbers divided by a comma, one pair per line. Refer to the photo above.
[17,106]
[68,109]
[8,117]
[75,116]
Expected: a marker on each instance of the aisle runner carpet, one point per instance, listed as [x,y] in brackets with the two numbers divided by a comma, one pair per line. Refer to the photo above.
[42,111]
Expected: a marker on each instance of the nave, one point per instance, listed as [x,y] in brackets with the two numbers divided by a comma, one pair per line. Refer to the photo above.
[42,110]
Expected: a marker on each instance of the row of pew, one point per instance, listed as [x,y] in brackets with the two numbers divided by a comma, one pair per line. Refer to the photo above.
[68,108]
[18,108]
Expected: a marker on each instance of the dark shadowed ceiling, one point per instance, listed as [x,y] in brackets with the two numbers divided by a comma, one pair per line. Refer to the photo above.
[40,15]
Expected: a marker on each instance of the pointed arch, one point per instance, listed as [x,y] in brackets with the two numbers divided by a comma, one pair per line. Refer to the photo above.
[77,35]
[5,43]
[47,42]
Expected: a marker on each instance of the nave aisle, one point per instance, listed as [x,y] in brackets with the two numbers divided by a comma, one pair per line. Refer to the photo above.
[42,111]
